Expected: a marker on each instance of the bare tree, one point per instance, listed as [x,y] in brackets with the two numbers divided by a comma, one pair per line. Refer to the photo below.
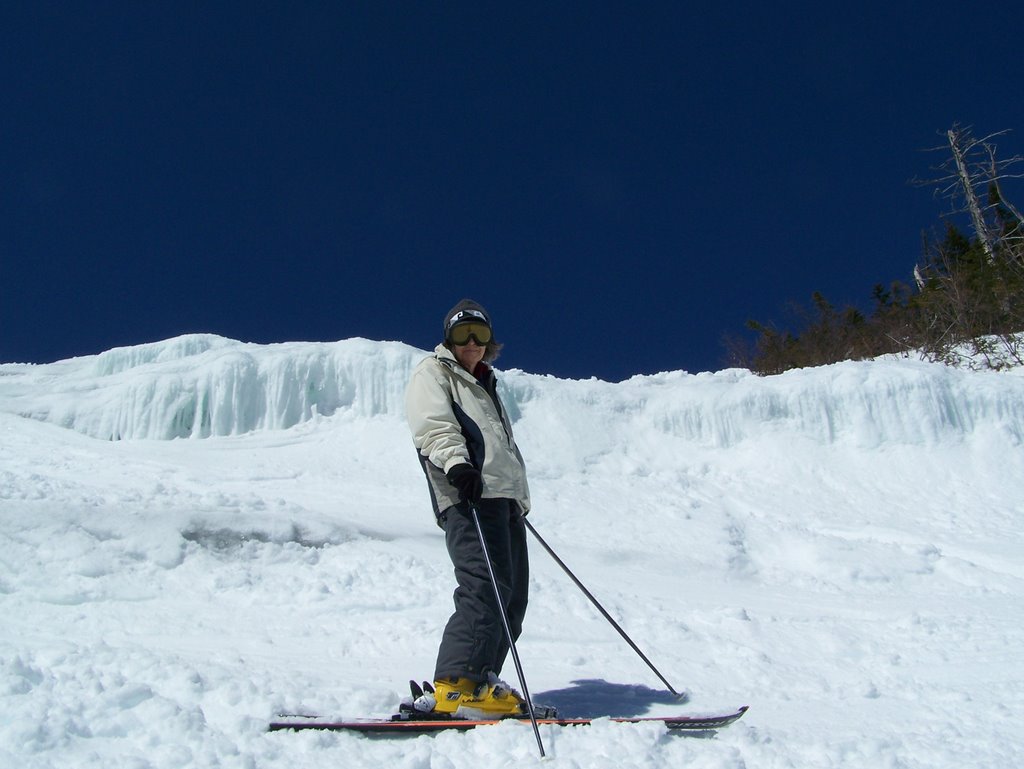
[960,143]
[972,175]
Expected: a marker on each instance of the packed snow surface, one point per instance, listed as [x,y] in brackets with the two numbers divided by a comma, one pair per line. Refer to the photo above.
[199,534]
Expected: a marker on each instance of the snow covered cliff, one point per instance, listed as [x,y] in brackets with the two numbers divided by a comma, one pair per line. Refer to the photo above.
[199,386]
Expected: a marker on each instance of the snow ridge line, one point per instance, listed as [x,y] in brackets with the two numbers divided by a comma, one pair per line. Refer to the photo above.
[201,386]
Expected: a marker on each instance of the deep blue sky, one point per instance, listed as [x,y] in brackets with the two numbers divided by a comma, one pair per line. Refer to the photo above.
[620,184]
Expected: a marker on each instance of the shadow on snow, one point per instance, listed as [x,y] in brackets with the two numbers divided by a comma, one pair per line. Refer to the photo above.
[594,698]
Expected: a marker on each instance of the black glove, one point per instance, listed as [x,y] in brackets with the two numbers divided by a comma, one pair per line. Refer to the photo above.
[468,481]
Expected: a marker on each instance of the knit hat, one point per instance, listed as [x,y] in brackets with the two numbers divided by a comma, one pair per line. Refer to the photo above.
[466,311]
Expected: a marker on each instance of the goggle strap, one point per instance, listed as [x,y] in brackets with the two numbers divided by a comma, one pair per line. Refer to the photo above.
[463,314]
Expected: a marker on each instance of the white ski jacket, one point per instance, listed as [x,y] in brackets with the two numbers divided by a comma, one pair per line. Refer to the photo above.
[455,419]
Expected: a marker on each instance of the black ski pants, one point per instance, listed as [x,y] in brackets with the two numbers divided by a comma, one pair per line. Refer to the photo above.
[474,641]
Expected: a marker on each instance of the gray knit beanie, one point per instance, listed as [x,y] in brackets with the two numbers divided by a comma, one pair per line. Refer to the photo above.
[466,311]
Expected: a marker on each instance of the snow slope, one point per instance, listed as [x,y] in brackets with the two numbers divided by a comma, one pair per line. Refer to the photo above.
[198,534]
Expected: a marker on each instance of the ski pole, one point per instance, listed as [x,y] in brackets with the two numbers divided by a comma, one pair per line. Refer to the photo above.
[508,629]
[599,607]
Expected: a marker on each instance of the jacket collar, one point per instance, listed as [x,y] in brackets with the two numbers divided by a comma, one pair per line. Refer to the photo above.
[443,354]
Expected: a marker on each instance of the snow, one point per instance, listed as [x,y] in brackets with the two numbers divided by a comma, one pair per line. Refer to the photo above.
[198,534]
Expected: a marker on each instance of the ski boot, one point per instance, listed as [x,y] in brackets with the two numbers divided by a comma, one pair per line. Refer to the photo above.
[464,698]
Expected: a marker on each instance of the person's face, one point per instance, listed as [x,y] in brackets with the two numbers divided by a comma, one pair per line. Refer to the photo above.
[470,354]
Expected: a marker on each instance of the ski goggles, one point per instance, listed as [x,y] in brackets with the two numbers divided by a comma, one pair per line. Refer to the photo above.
[461,333]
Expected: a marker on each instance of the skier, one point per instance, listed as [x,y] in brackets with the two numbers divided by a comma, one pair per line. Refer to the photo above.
[469,456]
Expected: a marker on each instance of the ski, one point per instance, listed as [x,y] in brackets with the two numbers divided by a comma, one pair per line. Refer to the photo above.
[409,723]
